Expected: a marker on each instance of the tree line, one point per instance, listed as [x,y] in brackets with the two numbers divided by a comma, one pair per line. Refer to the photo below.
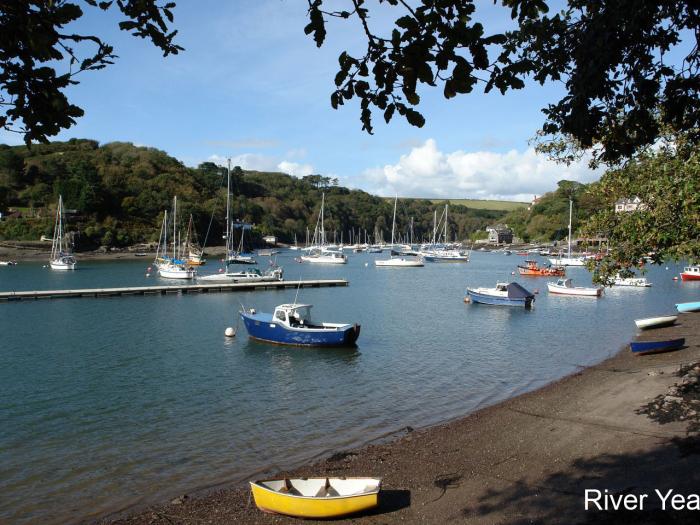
[116,193]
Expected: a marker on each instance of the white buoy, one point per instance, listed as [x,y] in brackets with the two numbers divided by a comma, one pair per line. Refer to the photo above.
[230,332]
[366,264]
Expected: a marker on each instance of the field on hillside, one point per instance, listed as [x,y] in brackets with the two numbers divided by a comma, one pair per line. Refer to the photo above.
[479,204]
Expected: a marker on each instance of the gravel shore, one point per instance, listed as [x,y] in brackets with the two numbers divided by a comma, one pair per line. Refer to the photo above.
[628,425]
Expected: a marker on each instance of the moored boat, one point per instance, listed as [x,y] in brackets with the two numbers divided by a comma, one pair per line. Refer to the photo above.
[566,287]
[8,263]
[251,275]
[655,347]
[655,322]
[316,497]
[61,256]
[533,270]
[688,307]
[503,294]
[691,273]
[290,324]
[638,282]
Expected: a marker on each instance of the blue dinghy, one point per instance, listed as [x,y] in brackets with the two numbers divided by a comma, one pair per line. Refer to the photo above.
[688,307]
[503,294]
[290,324]
[655,347]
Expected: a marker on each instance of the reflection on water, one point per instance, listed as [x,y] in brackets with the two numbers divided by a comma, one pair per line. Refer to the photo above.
[112,401]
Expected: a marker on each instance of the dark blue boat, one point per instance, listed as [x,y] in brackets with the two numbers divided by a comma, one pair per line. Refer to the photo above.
[503,294]
[290,324]
[655,347]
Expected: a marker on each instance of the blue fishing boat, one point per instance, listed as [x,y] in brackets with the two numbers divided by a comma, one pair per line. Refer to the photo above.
[504,294]
[655,347]
[291,324]
[688,307]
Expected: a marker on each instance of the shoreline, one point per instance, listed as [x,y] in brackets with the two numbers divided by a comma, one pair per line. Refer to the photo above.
[529,457]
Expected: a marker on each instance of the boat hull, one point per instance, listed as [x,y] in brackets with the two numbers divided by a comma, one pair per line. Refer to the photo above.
[324,259]
[688,307]
[300,506]
[176,274]
[399,263]
[64,263]
[477,297]
[655,322]
[568,261]
[261,326]
[656,347]
[576,291]
[690,277]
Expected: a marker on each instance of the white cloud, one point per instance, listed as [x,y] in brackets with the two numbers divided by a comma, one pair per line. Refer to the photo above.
[295,169]
[257,162]
[428,172]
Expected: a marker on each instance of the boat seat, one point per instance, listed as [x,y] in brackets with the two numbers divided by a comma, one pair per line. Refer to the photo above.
[288,488]
[326,491]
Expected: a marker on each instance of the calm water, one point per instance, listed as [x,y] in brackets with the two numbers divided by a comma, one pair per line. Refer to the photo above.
[107,403]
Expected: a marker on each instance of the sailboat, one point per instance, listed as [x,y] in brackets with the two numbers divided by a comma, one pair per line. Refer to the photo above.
[443,253]
[171,266]
[275,273]
[568,260]
[195,254]
[319,252]
[398,262]
[61,257]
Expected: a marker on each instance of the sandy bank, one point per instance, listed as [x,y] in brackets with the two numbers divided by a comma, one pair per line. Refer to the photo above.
[526,460]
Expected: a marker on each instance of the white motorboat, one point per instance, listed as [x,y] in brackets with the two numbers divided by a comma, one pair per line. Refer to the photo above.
[61,256]
[250,275]
[323,256]
[566,287]
[639,282]
[8,263]
[655,322]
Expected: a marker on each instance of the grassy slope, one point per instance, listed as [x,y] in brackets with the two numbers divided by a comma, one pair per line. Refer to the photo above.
[477,204]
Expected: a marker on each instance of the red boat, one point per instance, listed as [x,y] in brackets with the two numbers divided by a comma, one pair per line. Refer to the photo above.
[691,273]
[533,270]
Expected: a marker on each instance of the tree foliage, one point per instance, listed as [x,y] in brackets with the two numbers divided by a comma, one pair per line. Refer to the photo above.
[666,225]
[614,57]
[119,191]
[40,57]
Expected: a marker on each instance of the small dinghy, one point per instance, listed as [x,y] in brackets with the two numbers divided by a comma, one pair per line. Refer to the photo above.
[656,347]
[316,497]
[688,307]
[655,322]
[566,287]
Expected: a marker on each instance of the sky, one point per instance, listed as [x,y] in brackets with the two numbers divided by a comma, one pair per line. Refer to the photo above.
[251,86]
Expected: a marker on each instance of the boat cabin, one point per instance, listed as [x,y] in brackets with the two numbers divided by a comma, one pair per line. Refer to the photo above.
[293,314]
[565,283]
[692,270]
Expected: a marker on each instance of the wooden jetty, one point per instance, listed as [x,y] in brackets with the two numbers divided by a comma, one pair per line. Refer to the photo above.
[170,289]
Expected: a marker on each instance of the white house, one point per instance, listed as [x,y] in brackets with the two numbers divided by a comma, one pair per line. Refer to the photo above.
[627,205]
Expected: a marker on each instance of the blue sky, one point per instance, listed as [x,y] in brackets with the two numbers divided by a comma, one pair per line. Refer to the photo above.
[252,86]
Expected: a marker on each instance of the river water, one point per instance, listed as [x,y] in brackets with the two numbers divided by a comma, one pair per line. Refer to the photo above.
[112,402]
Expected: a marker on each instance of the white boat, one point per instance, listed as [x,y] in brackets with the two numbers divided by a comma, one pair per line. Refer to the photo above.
[324,256]
[8,263]
[61,256]
[568,260]
[655,322]
[398,262]
[320,252]
[250,275]
[639,282]
[171,265]
[566,287]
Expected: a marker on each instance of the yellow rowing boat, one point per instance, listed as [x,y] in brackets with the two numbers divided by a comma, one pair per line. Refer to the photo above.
[316,497]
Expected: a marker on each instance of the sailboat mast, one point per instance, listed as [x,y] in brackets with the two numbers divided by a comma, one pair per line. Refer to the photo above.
[434,225]
[175,227]
[228,208]
[393,221]
[323,228]
[446,224]
[571,205]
